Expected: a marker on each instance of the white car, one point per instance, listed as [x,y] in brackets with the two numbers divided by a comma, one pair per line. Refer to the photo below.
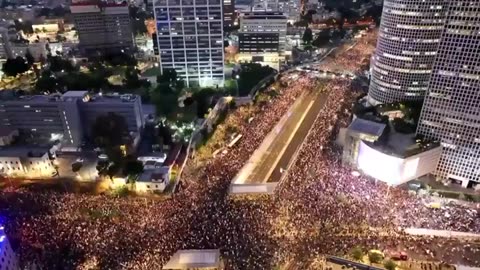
[102,156]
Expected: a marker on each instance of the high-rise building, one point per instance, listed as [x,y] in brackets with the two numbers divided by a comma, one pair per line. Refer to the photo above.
[261,37]
[102,26]
[408,41]
[451,111]
[68,117]
[229,15]
[8,259]
[190,40]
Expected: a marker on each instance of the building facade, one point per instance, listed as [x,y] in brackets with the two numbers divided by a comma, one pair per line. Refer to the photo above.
[190,40]
[5,50]
[229,14]
[451,111]
[291,8]
[67,117]
[407,44]
[26,161]
[8,259]
[102,26]
[262,37]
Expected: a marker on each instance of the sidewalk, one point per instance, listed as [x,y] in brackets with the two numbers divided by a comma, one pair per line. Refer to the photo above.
[441,233]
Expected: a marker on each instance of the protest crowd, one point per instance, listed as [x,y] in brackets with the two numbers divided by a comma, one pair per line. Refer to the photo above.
[320,207]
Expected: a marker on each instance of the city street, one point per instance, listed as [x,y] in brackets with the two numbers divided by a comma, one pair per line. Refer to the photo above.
[288,136]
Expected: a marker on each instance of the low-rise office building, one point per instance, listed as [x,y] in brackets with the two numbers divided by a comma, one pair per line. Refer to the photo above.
[155,180]
[262,38]
[26,161]
[386,155]
[67,118]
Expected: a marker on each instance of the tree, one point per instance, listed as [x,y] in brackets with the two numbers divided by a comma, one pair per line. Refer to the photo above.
[169,77]
[57,64]
[131,78]
[46,83]
[390,265]
[29,58]
[14,66]
[357,253]
[250,74]
[120,59]
[374,257]
[165,103]
[307,36]
[133,167]
[322,38]
[76,166]
[108,130]
[203,99]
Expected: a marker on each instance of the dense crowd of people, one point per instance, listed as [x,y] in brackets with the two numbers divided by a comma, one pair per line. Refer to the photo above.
[320,208]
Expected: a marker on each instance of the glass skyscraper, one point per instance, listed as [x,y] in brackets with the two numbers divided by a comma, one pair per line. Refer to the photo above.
[407,44]
[190,40]
[451,111]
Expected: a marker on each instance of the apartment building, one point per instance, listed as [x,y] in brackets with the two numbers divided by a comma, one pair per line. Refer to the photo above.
[102,26]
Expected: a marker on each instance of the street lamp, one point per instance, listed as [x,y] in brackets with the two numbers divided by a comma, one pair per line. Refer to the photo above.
[237,77]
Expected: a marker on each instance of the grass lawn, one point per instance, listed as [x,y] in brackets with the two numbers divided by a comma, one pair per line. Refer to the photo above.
[154,71]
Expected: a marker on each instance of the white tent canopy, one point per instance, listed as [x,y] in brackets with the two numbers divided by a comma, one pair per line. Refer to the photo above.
[194,258]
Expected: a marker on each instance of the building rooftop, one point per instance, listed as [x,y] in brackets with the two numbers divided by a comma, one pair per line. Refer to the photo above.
[74,94]
[6,131]
[263,15]
[265,188]
[113,97]
[369,128]
[157,174]
[194,258]
[23,151]
[70,96]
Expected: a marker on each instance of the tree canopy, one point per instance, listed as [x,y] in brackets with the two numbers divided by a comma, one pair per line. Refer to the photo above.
[109,130]
[250,74]
[307,36]
[132,167]
[165,95]
[15,66]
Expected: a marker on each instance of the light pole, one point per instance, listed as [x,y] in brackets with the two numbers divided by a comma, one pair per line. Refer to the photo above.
[236,84]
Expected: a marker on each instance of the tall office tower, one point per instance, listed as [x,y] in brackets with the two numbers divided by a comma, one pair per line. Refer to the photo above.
[229,14]
[451,111]
[407,44]
[102,26]
[190,40]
